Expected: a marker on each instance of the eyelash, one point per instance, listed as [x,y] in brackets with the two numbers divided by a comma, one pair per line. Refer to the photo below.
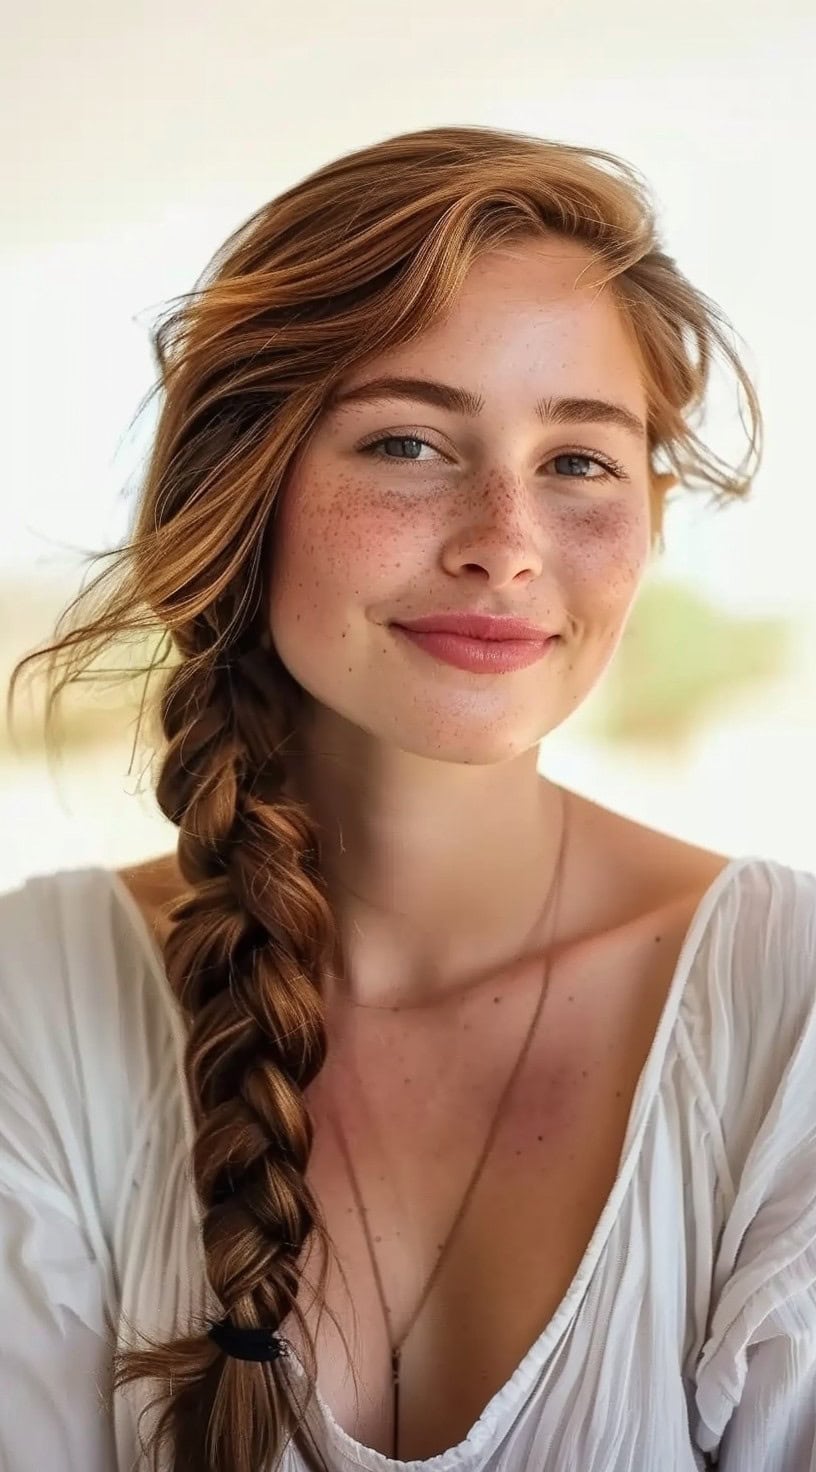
[611,467]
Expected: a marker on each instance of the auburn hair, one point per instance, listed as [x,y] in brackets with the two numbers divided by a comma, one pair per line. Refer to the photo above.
[363,254]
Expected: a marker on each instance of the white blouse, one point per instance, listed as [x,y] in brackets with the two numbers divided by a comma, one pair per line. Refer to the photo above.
[687,1333]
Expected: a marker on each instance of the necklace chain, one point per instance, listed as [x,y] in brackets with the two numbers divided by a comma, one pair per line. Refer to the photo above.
[396,1349]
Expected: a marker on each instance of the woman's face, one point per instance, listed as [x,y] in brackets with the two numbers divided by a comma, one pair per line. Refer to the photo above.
[501,510]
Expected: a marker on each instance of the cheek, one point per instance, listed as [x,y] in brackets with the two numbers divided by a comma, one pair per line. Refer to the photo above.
[333,547]
[604,548]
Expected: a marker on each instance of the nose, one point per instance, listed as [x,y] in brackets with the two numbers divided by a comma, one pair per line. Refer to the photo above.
[500,531]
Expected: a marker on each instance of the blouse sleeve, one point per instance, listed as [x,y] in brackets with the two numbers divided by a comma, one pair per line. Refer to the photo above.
[756,1378]
[55,1283]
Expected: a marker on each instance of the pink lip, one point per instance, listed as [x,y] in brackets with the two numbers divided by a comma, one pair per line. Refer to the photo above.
[476,626]
[482,656]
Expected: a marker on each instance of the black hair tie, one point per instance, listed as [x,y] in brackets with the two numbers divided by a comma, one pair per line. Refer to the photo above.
[260,1345]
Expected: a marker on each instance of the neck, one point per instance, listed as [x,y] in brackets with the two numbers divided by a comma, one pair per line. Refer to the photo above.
[436,881]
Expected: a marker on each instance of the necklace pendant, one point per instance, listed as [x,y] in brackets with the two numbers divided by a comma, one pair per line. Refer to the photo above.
[395,1359]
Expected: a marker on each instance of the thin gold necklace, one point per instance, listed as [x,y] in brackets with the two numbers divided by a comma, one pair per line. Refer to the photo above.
[396,1349]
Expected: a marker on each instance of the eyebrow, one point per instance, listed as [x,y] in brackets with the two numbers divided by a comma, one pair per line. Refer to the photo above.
[462,401]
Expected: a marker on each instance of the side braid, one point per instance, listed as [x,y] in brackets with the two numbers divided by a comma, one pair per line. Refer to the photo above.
[245,949]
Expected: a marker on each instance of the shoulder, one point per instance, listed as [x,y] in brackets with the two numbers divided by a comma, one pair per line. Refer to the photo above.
[749,920]
[625,872]
[152,885]
[762,936]
[645,870]
[51,926]
[757,954]
[749,1010]
[71,928]
[85,1038]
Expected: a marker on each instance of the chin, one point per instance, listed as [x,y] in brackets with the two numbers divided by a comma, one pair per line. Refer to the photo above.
[485,747]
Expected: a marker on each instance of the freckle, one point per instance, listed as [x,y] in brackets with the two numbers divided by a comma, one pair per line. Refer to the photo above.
[378,1239]
[658,938]
[540,1137]
[408,1080]
[585,1072]
[618,1093]
[497,999]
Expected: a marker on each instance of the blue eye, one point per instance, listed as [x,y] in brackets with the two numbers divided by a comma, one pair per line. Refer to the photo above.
[610,469]
[590,460]
[395,439]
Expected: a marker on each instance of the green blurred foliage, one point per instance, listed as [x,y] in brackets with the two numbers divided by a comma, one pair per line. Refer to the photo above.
[683,661]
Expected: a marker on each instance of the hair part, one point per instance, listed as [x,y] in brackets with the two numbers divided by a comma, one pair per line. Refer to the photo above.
[364,254]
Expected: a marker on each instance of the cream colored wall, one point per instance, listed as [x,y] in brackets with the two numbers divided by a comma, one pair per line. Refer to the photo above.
[139,137]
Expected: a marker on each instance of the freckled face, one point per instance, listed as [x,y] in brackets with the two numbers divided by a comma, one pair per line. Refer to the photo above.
[550,522]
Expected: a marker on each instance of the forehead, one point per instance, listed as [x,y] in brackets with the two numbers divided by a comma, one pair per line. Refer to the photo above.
[527,320]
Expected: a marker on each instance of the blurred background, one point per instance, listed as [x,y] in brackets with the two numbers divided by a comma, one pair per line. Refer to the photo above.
[139,137]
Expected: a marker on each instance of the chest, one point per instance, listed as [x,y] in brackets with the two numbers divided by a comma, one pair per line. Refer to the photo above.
[470,1281]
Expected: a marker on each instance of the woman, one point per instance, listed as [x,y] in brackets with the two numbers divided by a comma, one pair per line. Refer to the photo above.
[520,1092]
